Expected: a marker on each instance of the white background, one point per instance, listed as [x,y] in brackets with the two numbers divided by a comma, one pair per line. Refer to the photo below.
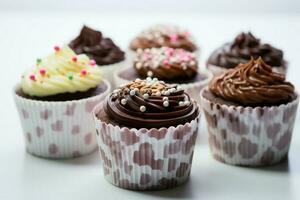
[29,29]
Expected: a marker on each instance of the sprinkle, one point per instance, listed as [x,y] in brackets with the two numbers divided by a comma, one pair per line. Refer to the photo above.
[136,90]
[184,67]
[166,103]
[148,79]
[56,48]
[139,51]
[192,62]
[165,62]
[150,73]
[158,94]
[74,59]
[42,71]
[181,103]
[70,76]
[83,72]
[132,92]
[123,101]
[165,99]
[138,65]
[38,61]
[173,37]
[167,93]
[172,90]
[179,88]
[92,63]
[137,79]
[142,108]
[32,77]
[145,96]
[155,79]
[186,103]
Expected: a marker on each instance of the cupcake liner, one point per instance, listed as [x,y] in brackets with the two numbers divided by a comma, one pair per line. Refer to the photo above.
[143,159]
[217,70]
[249,136]
[59,129]
[192,89]
[108,71]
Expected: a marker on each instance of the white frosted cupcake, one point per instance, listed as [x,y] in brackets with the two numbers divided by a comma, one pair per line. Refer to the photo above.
[55,100]
[102,50]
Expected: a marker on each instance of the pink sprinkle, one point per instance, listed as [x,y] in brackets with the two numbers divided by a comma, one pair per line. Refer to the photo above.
[165,62]
[173,37]
[56,48]
[92,62]
[170,51]
[83,72]
[32,77]
[74,59]
[147,56]
[42,71]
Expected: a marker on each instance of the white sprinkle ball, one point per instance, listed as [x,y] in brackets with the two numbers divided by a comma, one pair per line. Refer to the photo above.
[149,73]
[132,92]
[123,101]
[158,94]
[166,103]
[165,99]
[142,108]
[181,103]
[155,79]
[138,65]
[146,96]
[148,79]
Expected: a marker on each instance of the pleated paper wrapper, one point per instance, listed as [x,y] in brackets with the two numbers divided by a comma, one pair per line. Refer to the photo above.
[143,159]
[59,129]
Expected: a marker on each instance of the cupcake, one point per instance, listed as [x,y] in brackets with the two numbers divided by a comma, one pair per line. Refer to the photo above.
[106,54]
[250,112]
[170,65]
[55,100]
[164,36]
[146,133]
[245,46]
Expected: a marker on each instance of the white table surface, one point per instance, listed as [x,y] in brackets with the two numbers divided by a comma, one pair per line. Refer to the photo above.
[25,36]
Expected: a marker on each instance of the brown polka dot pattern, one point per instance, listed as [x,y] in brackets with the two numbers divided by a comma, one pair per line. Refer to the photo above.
[249,136]
[147,159]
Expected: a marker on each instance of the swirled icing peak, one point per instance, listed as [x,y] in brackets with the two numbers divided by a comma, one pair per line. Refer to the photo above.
[92,43]
[150,104]
[251,84]
[164,35]
[61,72]
[166,63]
[243,47]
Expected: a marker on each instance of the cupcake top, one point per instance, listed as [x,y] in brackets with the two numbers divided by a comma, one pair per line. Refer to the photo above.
[164,35]
[253,84]
[166,63]
[95,46]
[61,72]
[150,104]
[245,46]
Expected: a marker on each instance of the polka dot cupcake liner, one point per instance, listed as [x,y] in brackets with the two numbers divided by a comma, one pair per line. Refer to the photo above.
[143,159]
[59,129]
[192,89]
[249,136]
[216,70]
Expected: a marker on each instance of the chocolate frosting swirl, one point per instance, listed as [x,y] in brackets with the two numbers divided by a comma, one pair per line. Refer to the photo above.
[95,46]
[163,35]
[245,46]
[150,104]
[253,84]
[166,63]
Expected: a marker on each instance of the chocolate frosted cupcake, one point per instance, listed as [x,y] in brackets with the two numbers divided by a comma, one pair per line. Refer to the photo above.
[245,46]
[250,113]
[103,51]
[164,36]
[146,134]
[170,65]
[55,100]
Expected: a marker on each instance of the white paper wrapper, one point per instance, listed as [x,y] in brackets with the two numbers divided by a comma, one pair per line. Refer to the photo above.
[59,129]
[143,159]
[108,71]
[193,89]
[249,136]
[216,70]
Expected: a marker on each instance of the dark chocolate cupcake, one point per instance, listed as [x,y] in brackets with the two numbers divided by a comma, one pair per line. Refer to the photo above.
[107,55]
[164,36]
[174,66]
[146,134]
[245,46]
[250,112]
[55,100]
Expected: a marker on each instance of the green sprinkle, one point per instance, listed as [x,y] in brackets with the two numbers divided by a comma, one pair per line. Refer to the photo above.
[70,76]
[38,61]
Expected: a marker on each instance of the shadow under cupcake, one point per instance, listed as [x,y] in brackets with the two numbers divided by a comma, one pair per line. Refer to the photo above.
[250,112]
[55,100]
[240,50]
[146,134]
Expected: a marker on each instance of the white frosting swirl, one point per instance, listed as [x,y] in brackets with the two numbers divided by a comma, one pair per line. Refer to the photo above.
[61,72]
